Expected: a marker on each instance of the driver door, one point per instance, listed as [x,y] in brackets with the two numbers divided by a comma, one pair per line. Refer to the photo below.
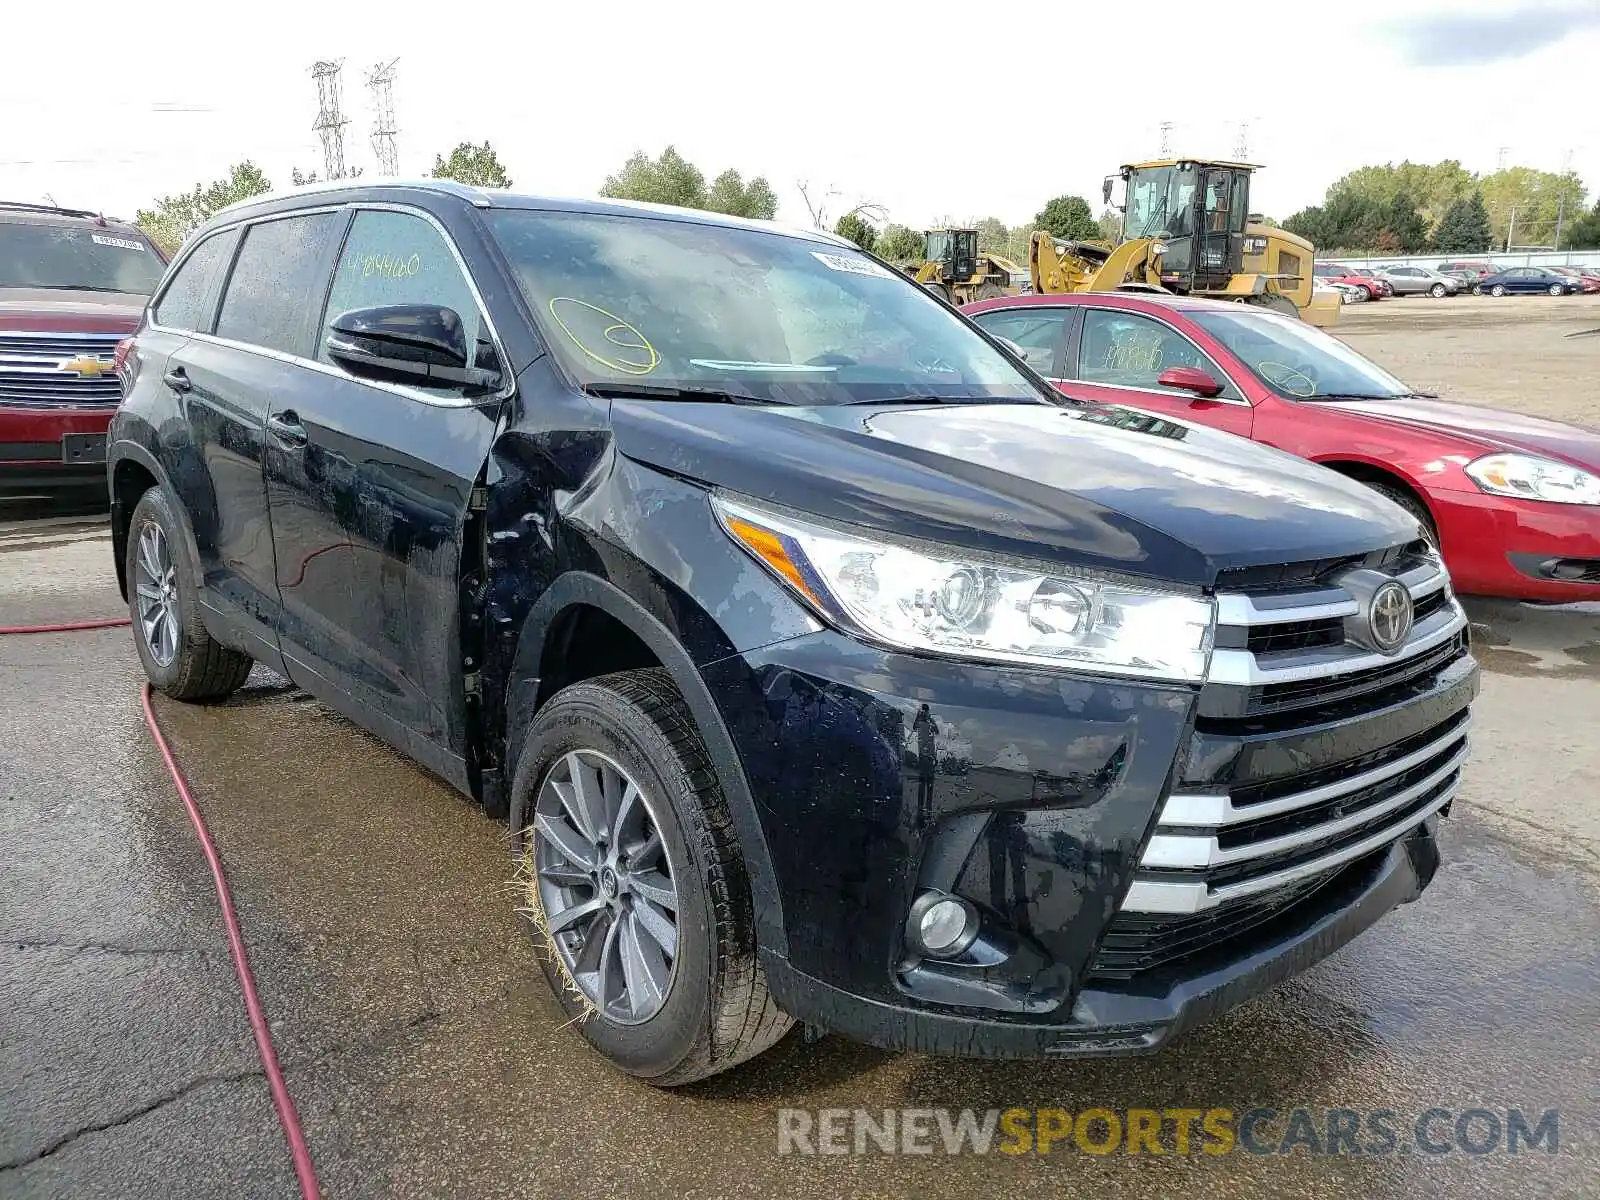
[1117,356]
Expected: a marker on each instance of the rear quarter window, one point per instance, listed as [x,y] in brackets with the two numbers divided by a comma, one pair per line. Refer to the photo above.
[184,303]
[275,293]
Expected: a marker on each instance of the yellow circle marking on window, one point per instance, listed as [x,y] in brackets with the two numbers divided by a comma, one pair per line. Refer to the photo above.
[646,361]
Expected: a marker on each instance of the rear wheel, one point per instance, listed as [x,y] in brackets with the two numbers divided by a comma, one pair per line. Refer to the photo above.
[179,656]
[1498,289]
[939,290]
[989,289]
[634,883]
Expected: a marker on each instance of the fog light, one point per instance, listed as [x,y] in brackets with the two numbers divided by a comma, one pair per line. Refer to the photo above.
[941,925]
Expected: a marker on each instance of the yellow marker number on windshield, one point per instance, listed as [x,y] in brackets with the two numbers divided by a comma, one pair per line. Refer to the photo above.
[639,357]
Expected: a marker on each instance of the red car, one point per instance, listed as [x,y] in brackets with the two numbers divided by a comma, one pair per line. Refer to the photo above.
[72,284]
[1513,501]
[1587,279]
[1367,281]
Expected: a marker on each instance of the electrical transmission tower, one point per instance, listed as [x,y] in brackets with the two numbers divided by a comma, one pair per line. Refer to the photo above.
[1166,138]
[1241,147]
[381,80]
[330,120]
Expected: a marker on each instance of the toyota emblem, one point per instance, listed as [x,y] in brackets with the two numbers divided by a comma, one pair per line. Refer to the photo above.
[1390,616]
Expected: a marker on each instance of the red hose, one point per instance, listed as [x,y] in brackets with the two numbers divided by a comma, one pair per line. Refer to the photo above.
[304,1169]
[67,627]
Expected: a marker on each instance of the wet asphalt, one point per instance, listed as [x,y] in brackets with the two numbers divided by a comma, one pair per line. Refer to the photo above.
[427,1059]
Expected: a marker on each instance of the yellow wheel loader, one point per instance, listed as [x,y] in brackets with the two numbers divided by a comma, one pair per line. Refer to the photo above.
[953,267]
[1186,228]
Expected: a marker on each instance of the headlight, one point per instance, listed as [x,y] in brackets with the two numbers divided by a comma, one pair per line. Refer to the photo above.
[1530,478]
[955,602]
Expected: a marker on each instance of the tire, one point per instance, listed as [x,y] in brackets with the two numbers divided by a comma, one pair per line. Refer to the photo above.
[939,290]
[1477,289]
[1372,293]
[1274,302]
[1557,290]
[1498,290]
[715,1010]
[1438,291]
[1408,500]
[988,290]
[180,658]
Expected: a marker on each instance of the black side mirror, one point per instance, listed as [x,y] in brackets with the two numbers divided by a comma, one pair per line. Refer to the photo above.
[420,344]
[1105,190]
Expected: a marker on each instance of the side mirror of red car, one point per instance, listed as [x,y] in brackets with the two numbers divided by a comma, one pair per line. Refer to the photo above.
[1190,379]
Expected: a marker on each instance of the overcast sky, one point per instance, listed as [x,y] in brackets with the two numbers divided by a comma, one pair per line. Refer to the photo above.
[932,111]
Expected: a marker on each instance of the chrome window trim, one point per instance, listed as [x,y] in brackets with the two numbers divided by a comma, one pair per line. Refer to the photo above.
[398,389]
[1213,809]
[1241,401]
[1181,899]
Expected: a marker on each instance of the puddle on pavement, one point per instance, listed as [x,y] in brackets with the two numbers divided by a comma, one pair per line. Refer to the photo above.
[1547,641]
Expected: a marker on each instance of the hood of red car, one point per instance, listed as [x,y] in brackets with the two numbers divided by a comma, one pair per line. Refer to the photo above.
[1494,428]
[50,310]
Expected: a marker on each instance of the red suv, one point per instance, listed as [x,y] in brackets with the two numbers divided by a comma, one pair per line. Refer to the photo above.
[72,284]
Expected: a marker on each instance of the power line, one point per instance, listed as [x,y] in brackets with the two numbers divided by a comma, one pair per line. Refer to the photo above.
[381,80]
[330,121]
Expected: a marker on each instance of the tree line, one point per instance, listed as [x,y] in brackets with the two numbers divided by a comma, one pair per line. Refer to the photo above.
[1403,208]
[1410,208]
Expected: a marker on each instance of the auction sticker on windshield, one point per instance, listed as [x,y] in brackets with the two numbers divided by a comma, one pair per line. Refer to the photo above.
[855,266]
[100,239]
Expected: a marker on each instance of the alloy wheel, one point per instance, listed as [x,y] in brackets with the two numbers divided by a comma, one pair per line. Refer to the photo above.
[606,885]
[156,586]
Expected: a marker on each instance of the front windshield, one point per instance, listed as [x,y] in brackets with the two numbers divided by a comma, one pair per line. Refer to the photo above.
[76,258]
[1297,360]
[659,303]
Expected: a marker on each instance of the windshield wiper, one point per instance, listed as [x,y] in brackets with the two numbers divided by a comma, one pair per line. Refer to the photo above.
[942,400]
[656,391]
[67,287]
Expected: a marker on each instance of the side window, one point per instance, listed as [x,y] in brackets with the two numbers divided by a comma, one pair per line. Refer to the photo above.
[400,258]
[275,292]
[1037,330]
[183,304]
[1126,349]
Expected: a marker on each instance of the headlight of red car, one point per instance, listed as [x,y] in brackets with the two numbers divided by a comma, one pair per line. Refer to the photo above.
[1528,477]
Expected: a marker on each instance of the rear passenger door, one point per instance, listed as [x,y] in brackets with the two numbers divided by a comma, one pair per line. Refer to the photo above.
[370,500]
[1038,330]
[219,479]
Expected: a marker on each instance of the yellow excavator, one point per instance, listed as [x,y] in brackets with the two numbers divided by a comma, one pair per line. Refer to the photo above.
[953,267]
[1187,228]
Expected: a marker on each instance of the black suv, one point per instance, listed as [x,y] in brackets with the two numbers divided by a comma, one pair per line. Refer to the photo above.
[827,665]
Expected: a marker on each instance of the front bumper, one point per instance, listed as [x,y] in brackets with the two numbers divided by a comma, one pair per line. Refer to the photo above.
[1105,1022]
[1036,798]
[46,449]
[1520,549]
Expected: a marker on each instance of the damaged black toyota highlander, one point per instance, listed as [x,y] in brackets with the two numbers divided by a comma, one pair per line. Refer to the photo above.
[826,665]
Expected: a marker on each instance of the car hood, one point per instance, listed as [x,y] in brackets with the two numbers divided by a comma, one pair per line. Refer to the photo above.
[49,310]
[1101,486]
[1492,428]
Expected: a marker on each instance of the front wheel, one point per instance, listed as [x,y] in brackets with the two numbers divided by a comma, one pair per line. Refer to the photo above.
[634,884]
[179,656]
[1412,503]
[1557,290]
[1274,302]
[1439,291]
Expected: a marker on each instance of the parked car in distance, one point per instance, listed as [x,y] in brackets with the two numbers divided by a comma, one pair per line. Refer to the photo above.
[1517,281]
[1373,287]
[1348,293]
[1408,280]
[1468,271]
[1385,288]
[72,284]
[1588,281]
[824,662]
[1512,500]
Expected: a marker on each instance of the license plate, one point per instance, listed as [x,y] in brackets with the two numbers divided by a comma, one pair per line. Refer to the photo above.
[83,448]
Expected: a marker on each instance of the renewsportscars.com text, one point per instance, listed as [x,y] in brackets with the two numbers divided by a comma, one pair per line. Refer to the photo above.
[1177,1131]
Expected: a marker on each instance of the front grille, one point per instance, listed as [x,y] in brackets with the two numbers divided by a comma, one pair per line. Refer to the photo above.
[1289,669]
[1288,577]
[32,374]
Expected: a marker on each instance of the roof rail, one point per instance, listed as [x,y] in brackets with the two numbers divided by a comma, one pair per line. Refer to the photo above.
[22,206]
[472,195]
